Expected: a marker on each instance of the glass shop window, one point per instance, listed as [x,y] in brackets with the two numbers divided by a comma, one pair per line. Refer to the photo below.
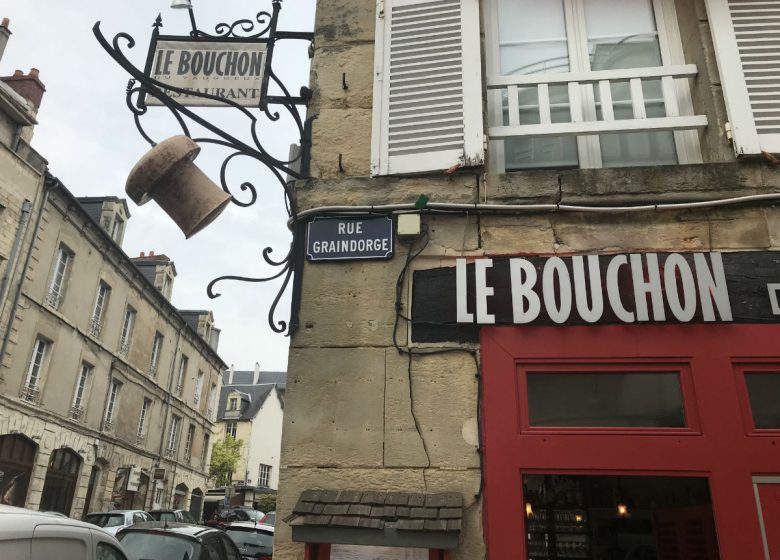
[618,517]
[764,394]
[610,399]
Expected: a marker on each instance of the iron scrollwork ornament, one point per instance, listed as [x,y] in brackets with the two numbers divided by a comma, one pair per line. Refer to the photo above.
[141,87]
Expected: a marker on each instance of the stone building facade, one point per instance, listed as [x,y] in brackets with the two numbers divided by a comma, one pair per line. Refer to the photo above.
[107,391]
[478,361]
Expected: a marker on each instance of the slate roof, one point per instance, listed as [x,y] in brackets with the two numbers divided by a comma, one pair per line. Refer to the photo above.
[248,378]
[402,511]
[252,398]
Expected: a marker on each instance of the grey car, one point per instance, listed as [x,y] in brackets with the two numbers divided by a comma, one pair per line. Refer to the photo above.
[162,540]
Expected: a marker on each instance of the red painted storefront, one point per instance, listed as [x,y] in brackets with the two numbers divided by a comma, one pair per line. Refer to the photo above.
[714,443]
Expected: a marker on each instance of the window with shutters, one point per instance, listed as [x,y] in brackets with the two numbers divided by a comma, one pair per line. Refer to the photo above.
[587,83]
[427,89]
[746,35]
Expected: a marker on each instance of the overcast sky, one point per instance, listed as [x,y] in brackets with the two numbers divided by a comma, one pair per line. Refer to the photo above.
[87,134]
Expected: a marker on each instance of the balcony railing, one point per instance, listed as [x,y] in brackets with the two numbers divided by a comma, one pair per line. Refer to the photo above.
[140,440]
[95,326]
[124,348]
[153,370]
[170,453]
[107,427]
[53,298]
[76,413]
[179,390]
[591,113]
[30,393]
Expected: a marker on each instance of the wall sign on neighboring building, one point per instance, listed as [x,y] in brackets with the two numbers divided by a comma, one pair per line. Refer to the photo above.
[340,239]
[230,70]
[450,303]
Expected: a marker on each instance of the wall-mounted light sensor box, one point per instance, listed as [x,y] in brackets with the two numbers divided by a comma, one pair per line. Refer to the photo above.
[408,226]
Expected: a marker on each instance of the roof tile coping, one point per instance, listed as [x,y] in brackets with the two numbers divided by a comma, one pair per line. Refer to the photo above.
[371,509]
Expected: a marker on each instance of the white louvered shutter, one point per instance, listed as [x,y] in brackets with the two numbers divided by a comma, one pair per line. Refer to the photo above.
[428,86]
[746,34]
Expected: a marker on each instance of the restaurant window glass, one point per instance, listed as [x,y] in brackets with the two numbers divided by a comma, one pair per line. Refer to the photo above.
[625,517]
[609,399]
[764,393]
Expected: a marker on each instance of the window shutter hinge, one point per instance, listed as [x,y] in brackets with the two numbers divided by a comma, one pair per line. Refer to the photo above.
[484,143]
[381,9]
[727,129]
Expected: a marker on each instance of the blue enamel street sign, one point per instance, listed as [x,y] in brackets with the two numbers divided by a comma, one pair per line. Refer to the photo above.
[343,239]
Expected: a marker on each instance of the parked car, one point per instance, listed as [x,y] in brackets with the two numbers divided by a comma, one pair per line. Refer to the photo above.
[269,518]
[113,521]
[35,535]
[236,513]
[177,515]
[160,540]
[254,540]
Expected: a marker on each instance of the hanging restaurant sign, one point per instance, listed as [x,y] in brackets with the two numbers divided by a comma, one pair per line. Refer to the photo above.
[341,239]
[225,69]
[451,303]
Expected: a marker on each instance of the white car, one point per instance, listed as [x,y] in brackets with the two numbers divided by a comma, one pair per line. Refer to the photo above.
[33,535]
[112,521]
[254,540]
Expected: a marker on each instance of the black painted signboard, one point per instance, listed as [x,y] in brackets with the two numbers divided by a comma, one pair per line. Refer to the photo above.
[340,239]
[451,303]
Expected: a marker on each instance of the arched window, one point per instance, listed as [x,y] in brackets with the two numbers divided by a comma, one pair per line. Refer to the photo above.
[61,481]
[17,458]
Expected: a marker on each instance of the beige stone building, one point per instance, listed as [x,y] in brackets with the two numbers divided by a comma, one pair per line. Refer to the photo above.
[107,391]
[574,353]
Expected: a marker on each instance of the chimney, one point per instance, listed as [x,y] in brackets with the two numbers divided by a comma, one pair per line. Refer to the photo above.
[142,255]
[5,33]
[151,253]
[28,86]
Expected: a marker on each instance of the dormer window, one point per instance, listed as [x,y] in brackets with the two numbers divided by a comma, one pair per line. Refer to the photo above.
[117,229]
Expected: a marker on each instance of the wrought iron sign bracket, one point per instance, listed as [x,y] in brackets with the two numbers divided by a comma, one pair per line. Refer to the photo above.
[144,89]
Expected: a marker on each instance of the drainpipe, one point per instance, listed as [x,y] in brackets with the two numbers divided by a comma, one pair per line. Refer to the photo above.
[49,184]
[21,229]
[167,401]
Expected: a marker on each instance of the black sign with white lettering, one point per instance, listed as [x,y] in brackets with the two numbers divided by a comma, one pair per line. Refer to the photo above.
[452,303]
[339,239]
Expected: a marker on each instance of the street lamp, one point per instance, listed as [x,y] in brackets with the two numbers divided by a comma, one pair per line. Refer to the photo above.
[181,4]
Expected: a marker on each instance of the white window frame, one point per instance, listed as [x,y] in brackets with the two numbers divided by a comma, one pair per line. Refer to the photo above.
[35,370]
[231,429]
[99,309]
[154,359]
[198,387]
[264,475]
[184,362]
[126,336]
[212,399]
[59,277]
[205,452]
[145,408]
[117,228]
[79,395]
[173,435]
[588,146]
[188,443]
[233,401]
[112,403]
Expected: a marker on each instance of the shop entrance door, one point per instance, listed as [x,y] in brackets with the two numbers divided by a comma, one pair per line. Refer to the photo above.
[611,411]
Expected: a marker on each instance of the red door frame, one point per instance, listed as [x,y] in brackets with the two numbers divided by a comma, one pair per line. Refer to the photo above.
[716,445]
